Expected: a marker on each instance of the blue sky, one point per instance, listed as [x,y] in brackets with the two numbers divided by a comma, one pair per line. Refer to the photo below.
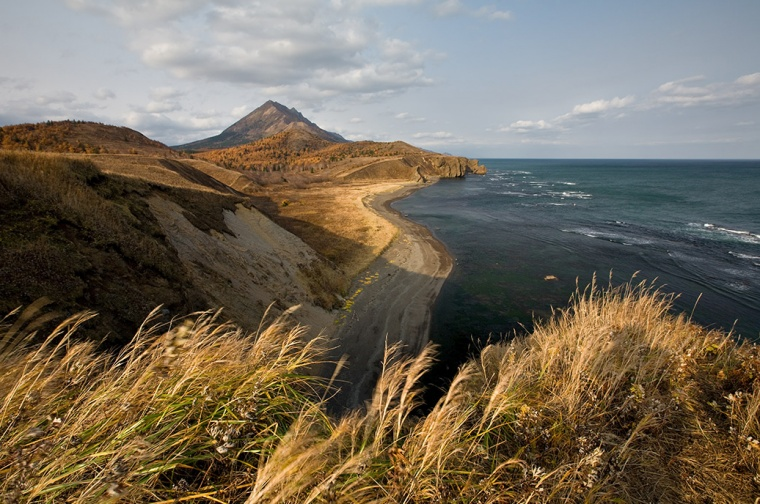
[498,78]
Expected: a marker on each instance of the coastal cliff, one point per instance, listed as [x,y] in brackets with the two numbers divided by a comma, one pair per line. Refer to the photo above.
[417,168]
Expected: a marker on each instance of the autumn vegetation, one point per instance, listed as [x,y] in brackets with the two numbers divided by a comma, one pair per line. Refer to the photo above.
[296,151]
[78,137]
[613,400]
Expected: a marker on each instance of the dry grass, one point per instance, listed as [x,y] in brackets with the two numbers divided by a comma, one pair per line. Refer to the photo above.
[188,414]
[614,400]
[334,221]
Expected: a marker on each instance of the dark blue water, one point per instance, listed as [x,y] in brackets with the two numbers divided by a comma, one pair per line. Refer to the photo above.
[693,227]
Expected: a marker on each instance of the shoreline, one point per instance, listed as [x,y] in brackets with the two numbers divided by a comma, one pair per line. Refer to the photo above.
[391,301]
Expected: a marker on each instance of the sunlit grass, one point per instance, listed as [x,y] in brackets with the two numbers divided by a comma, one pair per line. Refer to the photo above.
[614,400]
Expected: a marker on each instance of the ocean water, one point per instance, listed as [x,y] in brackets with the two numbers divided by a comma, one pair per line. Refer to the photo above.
[691,227]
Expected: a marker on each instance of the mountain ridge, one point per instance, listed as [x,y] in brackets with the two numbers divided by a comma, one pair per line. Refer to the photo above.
[265,121]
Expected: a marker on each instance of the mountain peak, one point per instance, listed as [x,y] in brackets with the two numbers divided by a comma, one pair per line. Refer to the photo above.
[267,120]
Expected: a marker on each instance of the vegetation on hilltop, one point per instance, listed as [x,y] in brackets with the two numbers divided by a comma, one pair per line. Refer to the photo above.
[296,150]
[79,137]
[614,400]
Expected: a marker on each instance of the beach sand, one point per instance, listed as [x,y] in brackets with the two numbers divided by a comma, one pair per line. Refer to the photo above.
[391,301]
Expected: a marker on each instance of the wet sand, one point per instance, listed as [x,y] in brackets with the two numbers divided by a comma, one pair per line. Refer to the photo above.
[392,300]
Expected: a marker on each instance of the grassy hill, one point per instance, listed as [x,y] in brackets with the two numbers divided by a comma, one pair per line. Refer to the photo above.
[80,137]
[614,400]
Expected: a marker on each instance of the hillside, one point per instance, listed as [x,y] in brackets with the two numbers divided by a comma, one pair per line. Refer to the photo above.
[122,235]
[80,137]
[295,151]
[268,120]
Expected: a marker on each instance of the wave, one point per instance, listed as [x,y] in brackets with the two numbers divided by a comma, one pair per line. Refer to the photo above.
[619,238]
[570,195]
[734,234]
[747,257]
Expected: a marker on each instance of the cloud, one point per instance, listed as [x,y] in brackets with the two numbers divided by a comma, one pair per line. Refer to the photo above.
[529,126]
[457,7]
[693,91]
[166,93]
[749,80]
[689,92]
[104,94]
[59,98]
[162,107]
[591,111]
[407,117]
[54,107]
[175,129]
[583,113]
[320,47]
[437,135]
[15,84]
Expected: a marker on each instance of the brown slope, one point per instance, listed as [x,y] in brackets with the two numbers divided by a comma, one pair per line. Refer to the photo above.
[80,137]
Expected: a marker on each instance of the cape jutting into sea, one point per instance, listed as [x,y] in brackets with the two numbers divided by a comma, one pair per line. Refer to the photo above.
[522,234]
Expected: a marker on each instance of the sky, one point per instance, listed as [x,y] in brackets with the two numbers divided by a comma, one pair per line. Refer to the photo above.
[490,78]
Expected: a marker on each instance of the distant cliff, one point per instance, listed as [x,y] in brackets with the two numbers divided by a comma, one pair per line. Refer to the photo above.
[417,167]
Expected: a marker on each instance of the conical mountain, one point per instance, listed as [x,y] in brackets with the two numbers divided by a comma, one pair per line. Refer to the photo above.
[267,120]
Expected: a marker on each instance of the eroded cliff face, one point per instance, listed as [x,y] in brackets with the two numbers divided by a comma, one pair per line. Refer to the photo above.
[448,166]
[255,264]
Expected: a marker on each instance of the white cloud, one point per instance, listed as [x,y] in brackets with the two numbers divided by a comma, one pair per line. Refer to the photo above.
[528,126]
[407,117]
[689,92]
[436,139]
[693,91]
[177,129]
[749,80]
[322,47]
[493,14]
[600,106]
[457,7]
[162,107]
[449,8]
[581,114]
[437,135]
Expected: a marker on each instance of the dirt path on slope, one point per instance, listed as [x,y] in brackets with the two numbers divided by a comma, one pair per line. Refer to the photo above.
[391,301]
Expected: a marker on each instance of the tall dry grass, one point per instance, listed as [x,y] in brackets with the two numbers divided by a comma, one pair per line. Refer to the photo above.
[614,400]
[184,415]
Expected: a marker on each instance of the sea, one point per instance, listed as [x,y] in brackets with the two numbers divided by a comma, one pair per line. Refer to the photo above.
[530,232]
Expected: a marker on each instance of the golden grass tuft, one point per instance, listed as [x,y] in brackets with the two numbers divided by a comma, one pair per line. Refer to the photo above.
[614,400]
[186,414]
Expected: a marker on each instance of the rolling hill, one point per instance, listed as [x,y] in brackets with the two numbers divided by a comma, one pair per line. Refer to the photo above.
[80,137]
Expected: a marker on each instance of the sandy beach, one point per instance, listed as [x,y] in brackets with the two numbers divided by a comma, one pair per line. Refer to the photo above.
[391,301]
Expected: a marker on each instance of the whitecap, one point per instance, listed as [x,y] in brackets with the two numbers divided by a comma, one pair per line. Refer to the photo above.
[747,257]
[736,234]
